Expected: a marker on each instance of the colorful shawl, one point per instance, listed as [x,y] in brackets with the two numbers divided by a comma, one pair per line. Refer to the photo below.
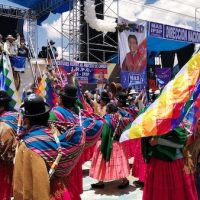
[112,125]
[93,126]
[40,139]
[129,111]
[10,118]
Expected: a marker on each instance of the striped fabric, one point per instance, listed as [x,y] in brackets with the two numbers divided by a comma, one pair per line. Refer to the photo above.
[129,111]
[10,118]
[85,105]
[40,139]
[168,111]
[7,82]
[93,126]
[113,119]
[193,115]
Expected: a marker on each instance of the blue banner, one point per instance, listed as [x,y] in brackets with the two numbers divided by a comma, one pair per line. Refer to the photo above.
[137,81]
[173,33]
[18,63]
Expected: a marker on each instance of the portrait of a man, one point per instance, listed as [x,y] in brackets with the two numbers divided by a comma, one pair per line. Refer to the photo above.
[136,59]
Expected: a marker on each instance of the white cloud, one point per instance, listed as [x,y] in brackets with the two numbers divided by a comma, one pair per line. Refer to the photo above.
[65,54]
[53,29]
[162,11]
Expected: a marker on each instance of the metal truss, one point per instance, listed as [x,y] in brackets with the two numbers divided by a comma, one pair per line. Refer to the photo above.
[32,37]
[101,43]
[13,12]
[30,19]
[74,28]
[70,27]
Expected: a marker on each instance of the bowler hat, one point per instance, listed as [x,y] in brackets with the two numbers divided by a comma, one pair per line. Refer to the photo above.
[122,97]
[51,42]
[4,97]
[69,91]
[105,97]
[34,106]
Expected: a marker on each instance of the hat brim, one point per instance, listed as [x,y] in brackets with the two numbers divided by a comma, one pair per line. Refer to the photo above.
[8,99]
[133,93]
[47,110]
[62,94]
[12,38]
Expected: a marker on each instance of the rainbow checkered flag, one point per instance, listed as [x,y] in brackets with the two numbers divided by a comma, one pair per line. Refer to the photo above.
[7,82]
[169,110]
[46,91]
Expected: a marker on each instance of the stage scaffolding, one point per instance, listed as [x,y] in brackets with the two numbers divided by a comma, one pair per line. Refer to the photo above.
[74,28]
[70,32]
[29,19]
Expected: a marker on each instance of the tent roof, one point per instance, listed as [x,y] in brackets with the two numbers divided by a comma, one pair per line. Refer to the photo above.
[35,4]
[63,6]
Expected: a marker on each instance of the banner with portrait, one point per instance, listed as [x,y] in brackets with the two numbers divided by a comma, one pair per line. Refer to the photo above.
[133,51]
[86,72]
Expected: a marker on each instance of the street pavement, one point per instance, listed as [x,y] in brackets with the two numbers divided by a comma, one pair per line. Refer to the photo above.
[110,191]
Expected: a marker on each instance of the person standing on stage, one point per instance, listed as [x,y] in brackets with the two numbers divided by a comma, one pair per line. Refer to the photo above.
[10,46]
[1,44]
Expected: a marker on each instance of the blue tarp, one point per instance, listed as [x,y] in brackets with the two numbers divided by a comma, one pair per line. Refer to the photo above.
[25,3]
[160,44]
[33,4]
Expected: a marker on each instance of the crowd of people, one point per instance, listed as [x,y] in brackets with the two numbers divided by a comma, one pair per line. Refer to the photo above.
[43,149]
[13,46]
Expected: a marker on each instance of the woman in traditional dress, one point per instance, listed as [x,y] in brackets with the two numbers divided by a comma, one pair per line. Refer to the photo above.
[8,129]
[45,156]
[166,178]
[110,161]
[92,124]
[194,152]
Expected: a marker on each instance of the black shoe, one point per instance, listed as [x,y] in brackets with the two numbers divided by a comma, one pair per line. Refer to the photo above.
[123,185]
[138,184]
[97,186]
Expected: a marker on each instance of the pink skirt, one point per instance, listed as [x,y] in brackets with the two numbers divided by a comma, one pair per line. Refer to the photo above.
[167,181]
[75,180]
[87,154]
[6,172]
[59,189]
[129,145]
[116,168]
[139,166]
